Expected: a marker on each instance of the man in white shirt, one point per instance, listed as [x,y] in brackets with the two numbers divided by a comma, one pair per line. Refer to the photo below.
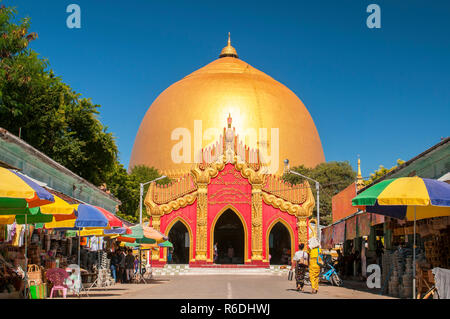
[300,263]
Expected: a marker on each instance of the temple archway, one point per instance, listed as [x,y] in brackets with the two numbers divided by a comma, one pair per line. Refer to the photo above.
[180,236]
[229,232]
[280,243]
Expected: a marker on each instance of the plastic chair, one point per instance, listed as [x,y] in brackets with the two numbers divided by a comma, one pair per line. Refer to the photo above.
[57,276]
[73,282]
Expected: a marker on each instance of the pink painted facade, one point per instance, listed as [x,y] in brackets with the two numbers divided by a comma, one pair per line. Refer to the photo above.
[228,190]
[230,178]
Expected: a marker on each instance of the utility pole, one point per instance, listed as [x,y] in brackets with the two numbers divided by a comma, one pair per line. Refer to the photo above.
[287,170]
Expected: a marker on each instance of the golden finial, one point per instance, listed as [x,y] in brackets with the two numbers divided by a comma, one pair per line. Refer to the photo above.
[229,119]
[359,179]
[228,51]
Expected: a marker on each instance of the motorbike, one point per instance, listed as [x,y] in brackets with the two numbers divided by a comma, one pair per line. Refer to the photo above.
[328,271]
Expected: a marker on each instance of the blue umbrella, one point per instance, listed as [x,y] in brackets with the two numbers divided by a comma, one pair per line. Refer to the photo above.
[89,216]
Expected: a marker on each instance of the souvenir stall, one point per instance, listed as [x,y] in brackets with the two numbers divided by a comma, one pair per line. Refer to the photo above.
[416,240]
[12,263]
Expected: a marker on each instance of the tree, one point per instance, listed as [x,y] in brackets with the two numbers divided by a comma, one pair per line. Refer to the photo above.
[381,172]
[333,178]
[46,112]
[126,188]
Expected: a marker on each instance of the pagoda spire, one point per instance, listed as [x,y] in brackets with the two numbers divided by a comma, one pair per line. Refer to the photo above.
[359,179]
[228,51]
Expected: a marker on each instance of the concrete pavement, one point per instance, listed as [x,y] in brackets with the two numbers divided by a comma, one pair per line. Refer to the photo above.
[228,286]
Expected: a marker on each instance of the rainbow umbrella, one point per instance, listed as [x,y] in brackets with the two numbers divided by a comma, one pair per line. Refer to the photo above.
[90,216]
[103,232]
[145,235]
[409,198]
[46,213]
[113,221]
[19,193]
[7,219]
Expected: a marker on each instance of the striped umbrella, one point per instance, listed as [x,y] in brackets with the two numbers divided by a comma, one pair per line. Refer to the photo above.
[113,221]
[90,216]
[409,198]
[46,213]
[19,193]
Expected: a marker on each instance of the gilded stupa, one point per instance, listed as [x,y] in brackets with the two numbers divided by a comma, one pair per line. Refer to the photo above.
[225,87]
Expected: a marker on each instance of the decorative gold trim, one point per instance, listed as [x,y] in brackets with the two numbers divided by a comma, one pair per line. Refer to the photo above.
[285,206]
[302,230]
[202,223]
[164,209]
[312,220]
[203,173]
[213,226]
[291,234]
[254,177]
[256,222]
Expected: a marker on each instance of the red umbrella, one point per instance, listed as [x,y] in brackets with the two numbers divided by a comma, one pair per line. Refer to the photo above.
[113,221]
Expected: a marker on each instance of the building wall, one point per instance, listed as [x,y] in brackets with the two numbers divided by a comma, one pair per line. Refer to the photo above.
[229,190]
[341,203]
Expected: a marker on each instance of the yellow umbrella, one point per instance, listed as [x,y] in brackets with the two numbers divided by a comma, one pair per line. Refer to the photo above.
[7,219]
[59,207]
[64,221]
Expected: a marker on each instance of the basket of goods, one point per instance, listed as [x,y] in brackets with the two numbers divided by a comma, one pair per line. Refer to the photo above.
[34,273]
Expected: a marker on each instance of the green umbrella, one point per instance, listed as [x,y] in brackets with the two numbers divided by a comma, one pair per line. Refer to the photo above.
[33,219]
[166,244]
[131,245]
[137,232]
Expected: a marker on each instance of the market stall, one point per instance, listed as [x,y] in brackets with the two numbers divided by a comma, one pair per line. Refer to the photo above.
[406,200]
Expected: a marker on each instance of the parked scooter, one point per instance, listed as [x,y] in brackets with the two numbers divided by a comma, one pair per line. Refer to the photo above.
[328,271]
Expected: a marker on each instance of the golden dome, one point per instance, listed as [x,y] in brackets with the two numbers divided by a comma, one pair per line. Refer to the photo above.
[225,86]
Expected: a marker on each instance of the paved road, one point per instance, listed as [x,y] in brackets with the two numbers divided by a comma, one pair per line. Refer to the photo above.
[226,287]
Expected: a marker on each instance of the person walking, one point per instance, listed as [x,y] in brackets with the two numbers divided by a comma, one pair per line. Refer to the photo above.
[300,264]
[169,255]
[314,267]
[121,266]
[114,264]
[129,266]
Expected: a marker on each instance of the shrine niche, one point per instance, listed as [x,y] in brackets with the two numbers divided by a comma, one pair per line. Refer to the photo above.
[228,198]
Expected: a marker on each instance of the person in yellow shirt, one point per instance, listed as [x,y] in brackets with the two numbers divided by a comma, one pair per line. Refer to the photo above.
[314,268]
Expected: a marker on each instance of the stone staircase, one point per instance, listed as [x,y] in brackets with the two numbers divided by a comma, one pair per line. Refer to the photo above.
[177,270]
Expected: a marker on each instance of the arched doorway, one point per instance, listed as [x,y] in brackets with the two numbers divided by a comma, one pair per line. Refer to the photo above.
[179,237]
[229,233]
[279,245]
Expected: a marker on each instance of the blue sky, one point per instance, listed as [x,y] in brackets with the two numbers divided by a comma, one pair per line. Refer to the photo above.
[381,93]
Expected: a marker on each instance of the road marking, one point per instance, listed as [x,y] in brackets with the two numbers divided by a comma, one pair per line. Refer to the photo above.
[229,290]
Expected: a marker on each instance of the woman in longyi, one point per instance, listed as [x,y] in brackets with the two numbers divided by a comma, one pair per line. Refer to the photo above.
[314,267]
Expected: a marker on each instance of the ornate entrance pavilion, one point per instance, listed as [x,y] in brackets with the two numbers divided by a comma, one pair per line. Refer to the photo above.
[230,180]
